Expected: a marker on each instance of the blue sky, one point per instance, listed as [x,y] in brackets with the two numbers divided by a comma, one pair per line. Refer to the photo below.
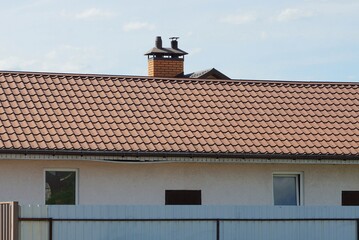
[245,39]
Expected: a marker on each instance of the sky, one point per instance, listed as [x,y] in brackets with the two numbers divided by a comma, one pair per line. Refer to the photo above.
[312,40]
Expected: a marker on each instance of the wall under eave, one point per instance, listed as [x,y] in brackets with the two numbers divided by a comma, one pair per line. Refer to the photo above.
[145,183]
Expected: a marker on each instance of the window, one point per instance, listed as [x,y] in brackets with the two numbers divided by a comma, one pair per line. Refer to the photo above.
[350,198]
[183,197]
[286,189]
[60,187]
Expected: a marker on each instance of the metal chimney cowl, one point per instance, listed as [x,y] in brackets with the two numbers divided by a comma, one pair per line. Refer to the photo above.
[174,42]
[158,42]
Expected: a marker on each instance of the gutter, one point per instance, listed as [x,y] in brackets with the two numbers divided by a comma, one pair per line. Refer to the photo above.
[181,154]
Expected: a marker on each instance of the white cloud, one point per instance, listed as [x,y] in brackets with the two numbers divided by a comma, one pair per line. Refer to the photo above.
[15,63]
[240,18]
[93,13]
[352,78]
[189,34]
[290,14]
[61,59]
[133,26]
[195,51]
[337,8]
[264,35]
[68,58]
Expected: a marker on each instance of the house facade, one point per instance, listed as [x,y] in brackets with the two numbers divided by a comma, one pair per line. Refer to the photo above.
[173,139]
[102,139]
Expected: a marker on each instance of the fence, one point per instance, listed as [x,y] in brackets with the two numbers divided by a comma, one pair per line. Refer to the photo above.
[188,222]
[8,221]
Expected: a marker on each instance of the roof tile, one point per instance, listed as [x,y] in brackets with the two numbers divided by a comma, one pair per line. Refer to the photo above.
[116,113]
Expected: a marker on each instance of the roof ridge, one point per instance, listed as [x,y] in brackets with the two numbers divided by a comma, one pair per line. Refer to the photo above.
[67,74]
[298,82]
[258,81]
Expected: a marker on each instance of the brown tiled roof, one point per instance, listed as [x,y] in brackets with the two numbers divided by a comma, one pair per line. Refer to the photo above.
[126,114]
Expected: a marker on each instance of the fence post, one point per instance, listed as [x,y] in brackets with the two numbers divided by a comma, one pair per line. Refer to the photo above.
[217,230]
[9,217]
[15,220]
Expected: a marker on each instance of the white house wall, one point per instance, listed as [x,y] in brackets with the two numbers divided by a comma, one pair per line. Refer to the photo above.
[145,184]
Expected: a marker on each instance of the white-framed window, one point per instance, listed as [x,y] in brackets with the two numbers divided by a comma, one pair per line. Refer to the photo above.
[287,189]
[61,186]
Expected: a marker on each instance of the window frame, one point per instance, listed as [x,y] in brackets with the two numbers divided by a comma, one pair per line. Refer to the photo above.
[299,186]
[62,170]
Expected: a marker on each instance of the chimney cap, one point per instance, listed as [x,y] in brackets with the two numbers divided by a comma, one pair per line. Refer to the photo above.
[159,51]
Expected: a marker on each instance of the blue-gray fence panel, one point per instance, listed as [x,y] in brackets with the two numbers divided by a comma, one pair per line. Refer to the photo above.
[134,230]
[293,230]
[191,222]
[33,230]
[146,230]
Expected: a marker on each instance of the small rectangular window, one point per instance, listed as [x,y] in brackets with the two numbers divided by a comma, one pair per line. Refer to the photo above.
[183,197]
[60,187]
[350,198]
[286,189]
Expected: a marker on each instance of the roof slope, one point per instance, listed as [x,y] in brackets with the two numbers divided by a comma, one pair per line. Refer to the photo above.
[51,112]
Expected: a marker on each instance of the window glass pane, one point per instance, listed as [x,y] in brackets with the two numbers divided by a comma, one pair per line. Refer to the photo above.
[60,187]
[285,190]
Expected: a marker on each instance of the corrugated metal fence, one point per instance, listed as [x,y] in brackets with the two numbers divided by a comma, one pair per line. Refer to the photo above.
[8,220]
[188,222]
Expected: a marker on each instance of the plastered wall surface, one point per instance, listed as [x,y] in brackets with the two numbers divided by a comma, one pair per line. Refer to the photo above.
[145,183]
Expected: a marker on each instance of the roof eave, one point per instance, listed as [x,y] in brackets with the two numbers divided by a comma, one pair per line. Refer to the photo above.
[183,154]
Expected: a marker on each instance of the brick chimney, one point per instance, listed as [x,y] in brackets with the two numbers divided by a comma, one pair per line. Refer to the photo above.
[166,62]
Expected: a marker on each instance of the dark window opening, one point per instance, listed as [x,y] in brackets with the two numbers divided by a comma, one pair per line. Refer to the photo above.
[183,197]
[60,187]
[350,198]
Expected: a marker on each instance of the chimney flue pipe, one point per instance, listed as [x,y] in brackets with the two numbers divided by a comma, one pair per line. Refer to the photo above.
[158,42]
[174,42]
